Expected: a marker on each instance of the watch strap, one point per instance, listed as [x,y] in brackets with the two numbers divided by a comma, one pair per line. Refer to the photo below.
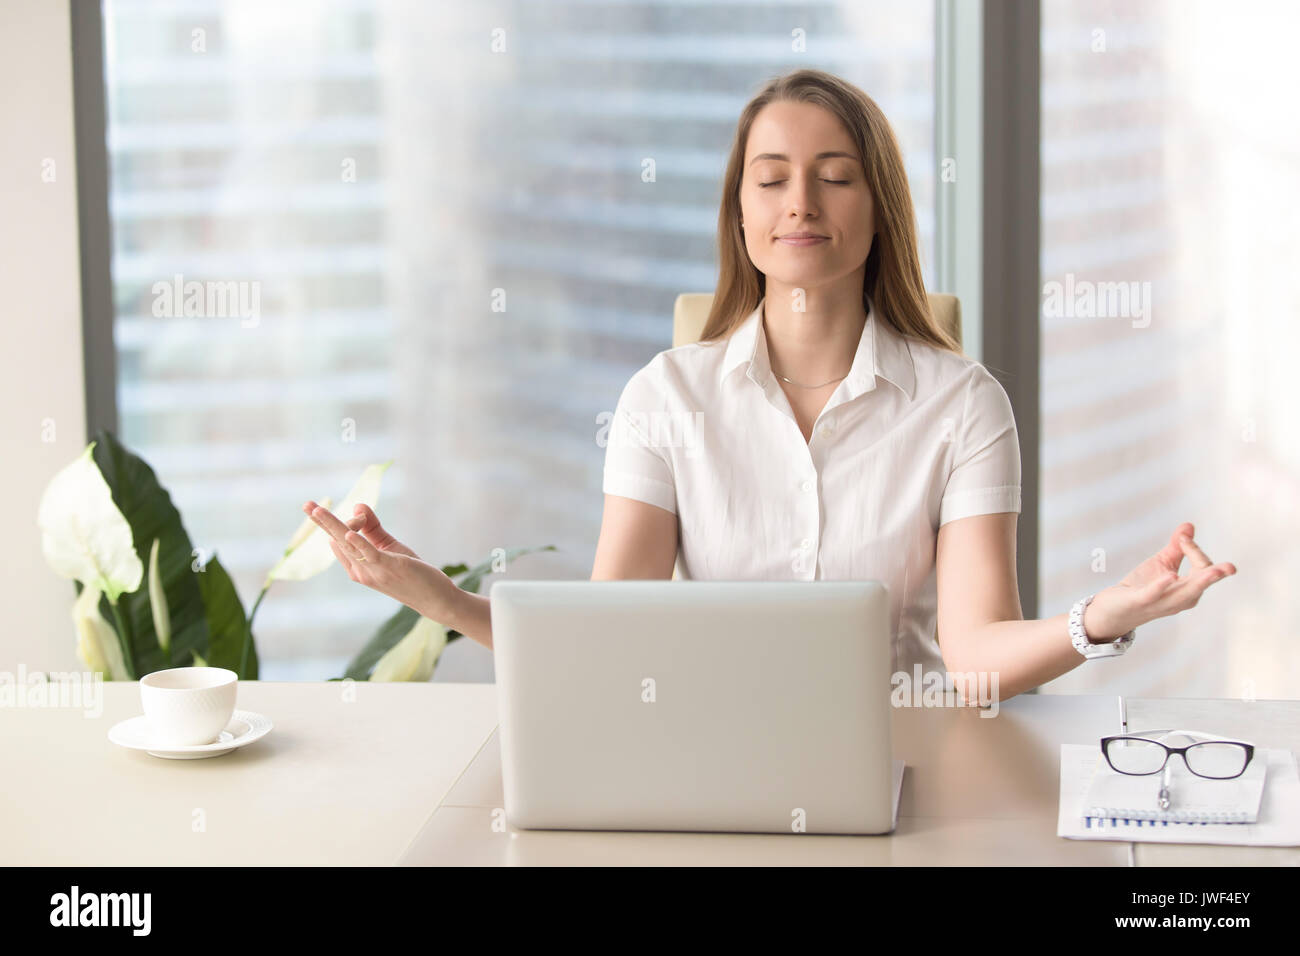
[1079,637]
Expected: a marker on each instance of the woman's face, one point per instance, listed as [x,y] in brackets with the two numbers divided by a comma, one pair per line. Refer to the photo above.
[789,186]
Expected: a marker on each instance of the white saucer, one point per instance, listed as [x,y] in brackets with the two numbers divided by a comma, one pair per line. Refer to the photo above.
[245,726]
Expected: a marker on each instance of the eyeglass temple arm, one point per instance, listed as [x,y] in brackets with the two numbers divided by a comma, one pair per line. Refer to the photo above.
[1165,734]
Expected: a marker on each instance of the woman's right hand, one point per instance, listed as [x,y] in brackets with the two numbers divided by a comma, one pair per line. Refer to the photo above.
[373,557]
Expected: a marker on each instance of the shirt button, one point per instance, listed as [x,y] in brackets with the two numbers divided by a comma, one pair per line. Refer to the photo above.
[806,543]
[827,428]
[807,486]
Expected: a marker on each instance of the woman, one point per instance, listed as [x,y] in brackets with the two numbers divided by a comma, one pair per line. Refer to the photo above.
[825,426]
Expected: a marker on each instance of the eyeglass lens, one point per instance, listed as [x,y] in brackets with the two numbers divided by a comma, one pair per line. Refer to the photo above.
[1211,759]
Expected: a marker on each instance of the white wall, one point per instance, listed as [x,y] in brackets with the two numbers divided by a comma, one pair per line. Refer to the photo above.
[41,315]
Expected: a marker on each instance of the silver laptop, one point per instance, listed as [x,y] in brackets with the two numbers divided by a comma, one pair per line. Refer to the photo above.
[732,706]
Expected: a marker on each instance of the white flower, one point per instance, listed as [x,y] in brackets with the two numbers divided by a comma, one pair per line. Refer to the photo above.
[97,643]
[309,553]
[414,656]
[162,621]
[83,534]
[307,527]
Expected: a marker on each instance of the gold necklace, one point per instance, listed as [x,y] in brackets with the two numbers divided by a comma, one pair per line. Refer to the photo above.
[799,385]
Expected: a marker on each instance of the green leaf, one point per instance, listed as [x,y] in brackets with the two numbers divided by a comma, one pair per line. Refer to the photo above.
[384,639]
[404,621]
[474,578]
[226,621]
[149,511]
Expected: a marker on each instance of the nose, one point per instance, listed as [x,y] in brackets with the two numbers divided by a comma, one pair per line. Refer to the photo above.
[800,197]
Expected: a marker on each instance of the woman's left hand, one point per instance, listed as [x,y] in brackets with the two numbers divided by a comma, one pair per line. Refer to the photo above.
[1154,589]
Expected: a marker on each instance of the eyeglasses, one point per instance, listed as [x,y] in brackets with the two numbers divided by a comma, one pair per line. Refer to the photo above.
[1146,753]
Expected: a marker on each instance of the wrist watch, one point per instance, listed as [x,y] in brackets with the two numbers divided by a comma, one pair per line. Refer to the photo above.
[1079,637]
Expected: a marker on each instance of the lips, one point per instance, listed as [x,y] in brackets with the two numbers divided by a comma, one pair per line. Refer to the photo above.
[802,239]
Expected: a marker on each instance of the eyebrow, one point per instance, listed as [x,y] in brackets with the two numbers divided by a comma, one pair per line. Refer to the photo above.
[785,159]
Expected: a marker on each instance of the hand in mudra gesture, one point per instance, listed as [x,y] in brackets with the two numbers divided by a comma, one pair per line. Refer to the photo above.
[1154,588]
[373,557]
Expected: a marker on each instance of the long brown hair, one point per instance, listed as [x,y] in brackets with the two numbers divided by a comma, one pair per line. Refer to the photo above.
[893,273]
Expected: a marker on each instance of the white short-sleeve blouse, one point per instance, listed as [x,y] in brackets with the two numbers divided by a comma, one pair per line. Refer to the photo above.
[913,438]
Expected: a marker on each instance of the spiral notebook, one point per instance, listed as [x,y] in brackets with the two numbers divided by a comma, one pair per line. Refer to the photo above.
[1278,808]
[1193,799]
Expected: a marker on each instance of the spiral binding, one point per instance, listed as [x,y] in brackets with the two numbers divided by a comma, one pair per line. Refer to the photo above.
[1171,816]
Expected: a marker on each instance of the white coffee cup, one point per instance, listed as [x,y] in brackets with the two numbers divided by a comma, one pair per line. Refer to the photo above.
[188,706]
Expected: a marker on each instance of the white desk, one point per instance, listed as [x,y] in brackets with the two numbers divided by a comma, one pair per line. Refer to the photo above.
[410,773]
[978,791]
[333,783]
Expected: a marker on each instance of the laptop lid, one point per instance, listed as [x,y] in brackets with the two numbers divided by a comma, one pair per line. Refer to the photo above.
[734,706]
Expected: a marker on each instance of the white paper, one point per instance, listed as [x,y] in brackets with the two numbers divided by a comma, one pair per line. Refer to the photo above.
[1194,799]
[1279,811]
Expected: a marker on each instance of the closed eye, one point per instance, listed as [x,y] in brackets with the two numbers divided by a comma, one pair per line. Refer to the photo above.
[837,182]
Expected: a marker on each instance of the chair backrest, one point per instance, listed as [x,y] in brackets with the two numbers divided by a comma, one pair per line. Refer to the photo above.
[691,311]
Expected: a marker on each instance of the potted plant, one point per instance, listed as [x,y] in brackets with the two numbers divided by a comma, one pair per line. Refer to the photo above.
[147,599]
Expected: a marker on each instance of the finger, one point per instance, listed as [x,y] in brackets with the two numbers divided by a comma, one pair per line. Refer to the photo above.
[1195,555]
[336,528]
[1172,553]
[368,550]
[311,506]
[375,536]
[366,522]
[329,521]
[1187,592]
[1159,586]
[361,524]
[1203,578]
[343,559]
[1224,569]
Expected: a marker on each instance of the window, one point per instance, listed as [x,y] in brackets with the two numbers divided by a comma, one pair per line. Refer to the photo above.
[1168,261]
[377,176]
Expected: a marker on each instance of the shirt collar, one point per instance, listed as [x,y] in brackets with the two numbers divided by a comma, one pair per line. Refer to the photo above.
[882,353]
